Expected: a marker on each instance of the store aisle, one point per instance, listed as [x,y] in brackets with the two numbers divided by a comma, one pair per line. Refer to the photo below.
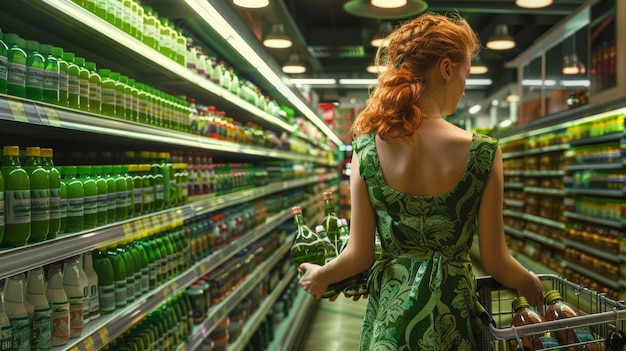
[337,325]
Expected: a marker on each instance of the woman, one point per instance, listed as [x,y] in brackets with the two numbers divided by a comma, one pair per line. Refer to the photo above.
[426,186]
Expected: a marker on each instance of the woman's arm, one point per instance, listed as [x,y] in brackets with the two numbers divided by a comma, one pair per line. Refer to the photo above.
[494,254]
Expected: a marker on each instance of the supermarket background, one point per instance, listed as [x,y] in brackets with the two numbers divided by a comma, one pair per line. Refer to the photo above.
[191,141]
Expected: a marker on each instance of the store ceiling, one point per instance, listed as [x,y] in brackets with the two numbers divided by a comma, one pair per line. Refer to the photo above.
[335,44]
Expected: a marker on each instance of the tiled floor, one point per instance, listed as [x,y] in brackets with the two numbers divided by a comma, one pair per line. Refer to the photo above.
[337,325]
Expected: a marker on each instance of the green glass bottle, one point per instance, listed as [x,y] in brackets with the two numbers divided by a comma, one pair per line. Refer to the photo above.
[138,262]
[35,66]
[130,191]
[159,183]
[111,193]
[3,64]
[55,192]
[75,198]
[90,198]
[119,273]
[147,183]
[134,100]
[103,205]
[329,221]
[95,88]
[120,99]
[83,83]
[39,195]
[16,65]
[63,194]
[106,281]
[152,263]
[128,97]
[130,271]
[16,199]
[144,264]
[108,94]
[160,253]
[73,81]
[121,204]
[137,189]
[306,246]
[63,77]
[50,75]
[172,262]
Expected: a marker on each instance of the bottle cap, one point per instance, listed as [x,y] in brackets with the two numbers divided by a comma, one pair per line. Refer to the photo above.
[84,170]
[46,152]
[552,295]
[319,228]
[32,45]
[33,151]
[296,210]
[11,151]
[519,302]
[328,195]
[69,170]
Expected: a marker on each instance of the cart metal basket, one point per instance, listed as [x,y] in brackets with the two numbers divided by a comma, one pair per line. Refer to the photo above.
[601,316]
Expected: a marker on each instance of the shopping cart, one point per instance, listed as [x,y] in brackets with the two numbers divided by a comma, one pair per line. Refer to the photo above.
[601,316]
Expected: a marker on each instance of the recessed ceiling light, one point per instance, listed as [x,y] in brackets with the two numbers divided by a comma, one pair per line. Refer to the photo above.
[533,4]
[251,4]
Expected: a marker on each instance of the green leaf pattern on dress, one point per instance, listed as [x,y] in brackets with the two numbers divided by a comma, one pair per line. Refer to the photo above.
[422,289]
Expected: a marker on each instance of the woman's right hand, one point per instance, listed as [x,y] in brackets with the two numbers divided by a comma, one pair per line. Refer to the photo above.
[533,290]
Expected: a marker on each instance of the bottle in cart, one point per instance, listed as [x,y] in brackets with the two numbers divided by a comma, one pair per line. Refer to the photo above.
[558,309]
[306,246]
[525,315]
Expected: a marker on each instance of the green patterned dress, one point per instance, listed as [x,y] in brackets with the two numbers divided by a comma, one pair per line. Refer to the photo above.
[422,289]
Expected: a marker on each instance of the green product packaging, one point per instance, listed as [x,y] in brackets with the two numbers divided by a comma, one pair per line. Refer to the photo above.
[3,64]
[63,76]
[90,5]
[119,274]
[16,65]
[137,262]
[101,8]
[63,193]
[165,36]
[159,183]
[130,271]
[169,182]
[75,198]
[160,255]
[103,205]
[95,88]
[90,198]
[50,75]
[152,263]
[107,93]
[144,261]
[83,83]
[35,66]
[39,195]
[121,203]
[142,103]
[111,193]
[130,191]
[128,98]
[1,206]
[120,99]
[147,183]
[55,192]
[127,11]
[137,189]
[151,31]
[134,100]
[106,281]
[181,47]
[16,199]
[73,81]
[172,260]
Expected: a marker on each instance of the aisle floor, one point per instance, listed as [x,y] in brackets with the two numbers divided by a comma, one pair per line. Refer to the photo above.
[336,325]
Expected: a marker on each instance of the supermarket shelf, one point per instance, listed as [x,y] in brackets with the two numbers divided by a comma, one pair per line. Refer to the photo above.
[513,172]
[515,214]
[526,261]
[513,185]
[544,221]
[545,191]
[597,192]
[514,203]
[219,312]
[599,139]
[615,258]
[544,240]
[602,221]
[614,284]
[587,166]
[515,232]
[254,321]
[545,173]
[289,332]
[540,150]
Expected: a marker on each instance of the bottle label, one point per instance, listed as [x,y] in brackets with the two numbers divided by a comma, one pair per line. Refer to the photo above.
[1,208]
[40,204]
[120,293]
[148,195]
[111,198]
[107,96]
[42,329]
[60,322]
[129,198]
[159,195]
[21,333]
[153,269]
[138,195]
[130,288]
[73,85]
[63,208]
[107,298]
[51,80]
[6,338]
[3,68]
[63,81]
[75,207]
[95,92]
[17,206]
[548,341]
[103,202]
[145,280]
[16,73]
[119,98]
[84,88]
[90,204]
[138,282]
[76,316]
[120,199]
[55,203]
[34,77]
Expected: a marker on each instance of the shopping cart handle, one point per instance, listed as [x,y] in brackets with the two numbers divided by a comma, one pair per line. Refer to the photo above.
[484,316]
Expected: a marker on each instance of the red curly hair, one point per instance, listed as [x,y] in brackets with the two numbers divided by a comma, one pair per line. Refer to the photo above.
[413,50]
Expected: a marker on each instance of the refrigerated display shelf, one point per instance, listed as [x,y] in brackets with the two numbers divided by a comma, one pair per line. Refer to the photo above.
[597,192]
[615,258]
[539,150]
[614,223]
[599,139]
[557,244]
[288,333]
[602,165]
[254,321]
[609,282]
[514,203]
[545,191]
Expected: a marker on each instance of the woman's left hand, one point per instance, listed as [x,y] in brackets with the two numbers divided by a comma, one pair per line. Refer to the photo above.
[310,281]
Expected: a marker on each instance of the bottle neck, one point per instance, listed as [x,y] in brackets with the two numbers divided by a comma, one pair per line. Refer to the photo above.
[298,219]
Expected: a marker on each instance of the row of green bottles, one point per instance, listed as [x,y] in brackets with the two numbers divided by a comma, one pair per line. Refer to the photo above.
[130,269]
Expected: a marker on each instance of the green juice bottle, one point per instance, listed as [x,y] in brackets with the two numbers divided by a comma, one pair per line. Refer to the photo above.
[16,65]
[75,198]
[160,255]
[95,88]
[90,5]
[120,99]
[134,100]
[127,16]
[137,262]
[151,32]
[16,199]
[63,193]
[103,193]
[63,77]
[137,189]
[147,183]
[73,81]
[172,259]
[50,75]
[119,274]
[111,193]
[106,281]
[159,183]
[142,103]
[130,191]
[39,195]
[152,263]
[108,97]
[121,203]
[55,192]
[90,198]
[35,66]
[128,98]
[130,271]
[101,8]
[3,64]
[1,209]
[83,83]
[144,264]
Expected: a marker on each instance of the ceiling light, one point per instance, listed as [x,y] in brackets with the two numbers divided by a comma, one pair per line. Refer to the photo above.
[474,82]
[474,109]
[365,8]
[388,4]
[357,81]
[379,39]
[277,39]
[512,98]
[294,65]
[251,4]
[478,67]
[313,81]
[374,69]
[533,4]
[501,40]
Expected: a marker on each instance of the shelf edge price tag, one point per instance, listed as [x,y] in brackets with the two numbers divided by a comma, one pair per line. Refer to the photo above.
[104,335]
[52,116]
[127,228]
[18,111]
[89,344]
